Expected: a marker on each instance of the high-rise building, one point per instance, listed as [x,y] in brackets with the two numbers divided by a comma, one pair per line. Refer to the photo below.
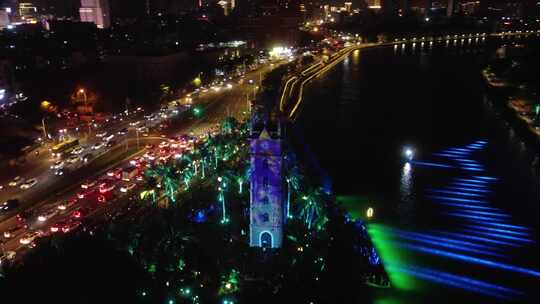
[95,11]
[4,18]
[450,8]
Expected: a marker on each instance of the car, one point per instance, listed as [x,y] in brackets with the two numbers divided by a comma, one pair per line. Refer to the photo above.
[88,184]
[135,123]
[86,193]
[29,183]
[7,257]
[30,237]
[16,181]
[24,215]
[77,150]
[47,214]
[108,138]
[59,172]
[116,173]
[101,134]
[123,131]
[58,226]
[87,157]
[70,226]
[80,213]
[105,187]
[57,165]
[73,159]
[66,204]
[98,145]
[11,232]
[127,187]
[110,143]
[8,205]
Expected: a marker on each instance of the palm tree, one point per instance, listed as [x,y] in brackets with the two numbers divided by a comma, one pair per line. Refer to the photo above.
[169,179]
[313,209]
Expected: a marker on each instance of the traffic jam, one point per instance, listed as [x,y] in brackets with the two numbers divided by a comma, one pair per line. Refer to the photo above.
[94,194]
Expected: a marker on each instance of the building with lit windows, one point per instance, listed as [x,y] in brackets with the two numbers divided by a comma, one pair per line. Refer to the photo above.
[95,11]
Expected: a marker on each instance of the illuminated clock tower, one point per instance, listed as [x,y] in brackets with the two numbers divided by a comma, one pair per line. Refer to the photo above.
[266,201]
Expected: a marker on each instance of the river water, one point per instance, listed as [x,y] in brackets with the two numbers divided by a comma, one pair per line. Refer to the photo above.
[458,224]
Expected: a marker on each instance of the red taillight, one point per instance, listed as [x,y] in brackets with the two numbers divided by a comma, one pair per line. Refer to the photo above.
[77,214]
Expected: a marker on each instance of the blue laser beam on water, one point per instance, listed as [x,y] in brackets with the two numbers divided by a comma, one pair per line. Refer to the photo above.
[498,235]
[470,259]
[455,193]
[502,225]
[456,199]
[470,189]
[466,206]
[456,281]
[431,164]
[475,217]
[490,178]
[395,231]
[477,186]
[519,233]
[477,238]
[469,180]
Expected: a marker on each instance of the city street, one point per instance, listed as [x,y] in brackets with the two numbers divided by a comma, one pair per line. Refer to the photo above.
[51,190]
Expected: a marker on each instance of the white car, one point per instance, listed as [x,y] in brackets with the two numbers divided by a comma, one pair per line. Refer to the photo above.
[29,237]
[98,146]
[57,165]
[47,215]
[78,150]
[73,159]
[16,181]
[127,187]
[29,183]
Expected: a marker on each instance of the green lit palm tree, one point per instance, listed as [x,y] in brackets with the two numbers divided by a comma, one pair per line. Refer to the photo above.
[312,210]
[168,177]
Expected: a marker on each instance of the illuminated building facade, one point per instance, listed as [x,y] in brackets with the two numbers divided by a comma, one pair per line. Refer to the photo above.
[266,201]
[95,11]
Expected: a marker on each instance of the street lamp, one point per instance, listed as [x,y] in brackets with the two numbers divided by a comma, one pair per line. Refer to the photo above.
[408,153]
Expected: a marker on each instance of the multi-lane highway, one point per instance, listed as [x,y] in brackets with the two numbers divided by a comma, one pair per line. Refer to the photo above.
[47,197]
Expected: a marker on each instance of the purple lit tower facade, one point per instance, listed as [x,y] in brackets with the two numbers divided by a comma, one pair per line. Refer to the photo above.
[266,201]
